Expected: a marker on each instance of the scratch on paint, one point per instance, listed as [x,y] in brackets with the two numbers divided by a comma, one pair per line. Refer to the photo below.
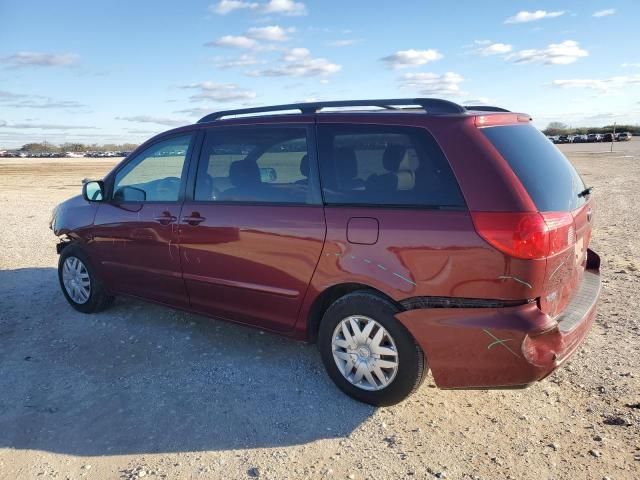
[505,277]
[497,341]
[557,268]
[380,266]
[405,279]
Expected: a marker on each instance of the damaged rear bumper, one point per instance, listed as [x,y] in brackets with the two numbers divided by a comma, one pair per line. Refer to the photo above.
[503,347]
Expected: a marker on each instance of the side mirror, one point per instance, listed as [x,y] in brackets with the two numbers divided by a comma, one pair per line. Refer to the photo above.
[129,194]
[93,191]
[268,175]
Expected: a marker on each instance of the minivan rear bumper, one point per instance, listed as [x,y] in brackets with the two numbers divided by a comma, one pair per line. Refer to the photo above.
[505,347]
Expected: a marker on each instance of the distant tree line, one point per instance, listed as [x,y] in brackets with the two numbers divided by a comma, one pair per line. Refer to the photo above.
[78,147]
[559,128]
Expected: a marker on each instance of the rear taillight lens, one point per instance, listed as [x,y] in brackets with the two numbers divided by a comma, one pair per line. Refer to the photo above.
[562,232]
[526,235]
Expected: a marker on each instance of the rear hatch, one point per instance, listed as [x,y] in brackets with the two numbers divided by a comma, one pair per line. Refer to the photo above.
[561,229]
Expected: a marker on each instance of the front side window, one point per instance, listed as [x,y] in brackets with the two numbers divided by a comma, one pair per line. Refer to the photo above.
[258,164]
[155,175]
[386,166]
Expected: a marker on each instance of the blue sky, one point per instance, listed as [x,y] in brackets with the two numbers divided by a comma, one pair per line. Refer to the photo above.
[116,71]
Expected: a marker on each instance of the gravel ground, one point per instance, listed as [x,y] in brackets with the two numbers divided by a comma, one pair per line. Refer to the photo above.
[145,391]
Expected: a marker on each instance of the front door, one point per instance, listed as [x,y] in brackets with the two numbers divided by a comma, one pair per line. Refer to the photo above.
[253,229]
[136,232]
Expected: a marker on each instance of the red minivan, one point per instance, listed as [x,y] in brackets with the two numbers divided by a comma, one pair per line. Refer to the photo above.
[399,235]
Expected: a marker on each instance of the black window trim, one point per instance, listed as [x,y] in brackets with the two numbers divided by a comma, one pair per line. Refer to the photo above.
[333,122]
[440,208]
[195,139]
[312,152]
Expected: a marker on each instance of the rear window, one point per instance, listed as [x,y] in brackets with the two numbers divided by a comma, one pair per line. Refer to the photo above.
[385,166]
[550,179]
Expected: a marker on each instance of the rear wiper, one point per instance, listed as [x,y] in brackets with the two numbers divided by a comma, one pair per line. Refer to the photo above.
[585,192]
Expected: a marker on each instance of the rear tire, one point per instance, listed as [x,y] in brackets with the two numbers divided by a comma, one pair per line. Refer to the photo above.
[79,282]
[367,353]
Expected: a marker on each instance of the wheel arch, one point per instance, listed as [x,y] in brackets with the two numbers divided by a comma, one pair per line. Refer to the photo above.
[330,295]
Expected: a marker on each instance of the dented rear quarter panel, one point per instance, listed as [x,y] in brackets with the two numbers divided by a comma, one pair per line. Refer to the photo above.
[418,253]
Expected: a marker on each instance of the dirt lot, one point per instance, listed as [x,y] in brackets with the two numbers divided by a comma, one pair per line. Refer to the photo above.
[141,390]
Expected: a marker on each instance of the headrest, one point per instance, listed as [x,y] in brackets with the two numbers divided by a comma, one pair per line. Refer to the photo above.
[243,173]
[304,166]
[346,162]
[406,180]
[392,157]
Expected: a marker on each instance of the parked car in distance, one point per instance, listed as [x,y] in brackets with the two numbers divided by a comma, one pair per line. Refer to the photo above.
[607,137]
[623,137]
[564,139]
[580,139]
[593,137]
[399,239]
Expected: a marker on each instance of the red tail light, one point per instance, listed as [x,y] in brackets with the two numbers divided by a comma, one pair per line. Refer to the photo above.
[526,235]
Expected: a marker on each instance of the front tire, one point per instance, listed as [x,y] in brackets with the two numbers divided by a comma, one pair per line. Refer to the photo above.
[367,353]
[79,283]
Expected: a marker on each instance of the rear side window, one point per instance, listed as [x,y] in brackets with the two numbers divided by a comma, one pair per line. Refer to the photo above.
[549,178]
[386,166]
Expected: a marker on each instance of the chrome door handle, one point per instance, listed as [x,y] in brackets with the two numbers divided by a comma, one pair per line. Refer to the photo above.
[193,219]
[165,219]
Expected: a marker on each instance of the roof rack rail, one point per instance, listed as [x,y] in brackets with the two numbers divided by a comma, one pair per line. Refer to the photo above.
[486,108]
[432,106]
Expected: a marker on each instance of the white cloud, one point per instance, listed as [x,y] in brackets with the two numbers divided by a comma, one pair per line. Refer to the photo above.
[10,96]
[603,85]
[478,101]
[525,16]
[272,33]
[197,111]
[21,100]
[604,13]
[280,7]
[562,53]
[37,59]
[342,43]
[219,92]
[233,41]
[298,62]
[411,58]
[251,39]
[227,6]
[169,122]
[445,85]
[44,126]
[243,60]
[486,48]
[285,7]
[631,65]
[46,104]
